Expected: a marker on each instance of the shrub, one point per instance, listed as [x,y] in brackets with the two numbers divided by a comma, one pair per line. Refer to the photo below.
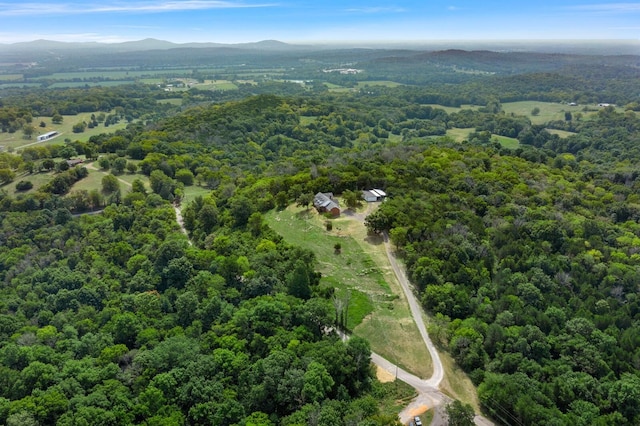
[24,185]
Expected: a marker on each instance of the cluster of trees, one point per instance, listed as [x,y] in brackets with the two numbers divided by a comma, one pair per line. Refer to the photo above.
[13,119]
[132,101]
[115,319]
[529,270]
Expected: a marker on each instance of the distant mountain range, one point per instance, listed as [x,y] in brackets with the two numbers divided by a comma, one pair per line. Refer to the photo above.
[477,55]
[546,46]
[140,45]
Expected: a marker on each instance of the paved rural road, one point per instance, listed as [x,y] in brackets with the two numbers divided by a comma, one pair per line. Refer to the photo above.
[416,312]
[429,394]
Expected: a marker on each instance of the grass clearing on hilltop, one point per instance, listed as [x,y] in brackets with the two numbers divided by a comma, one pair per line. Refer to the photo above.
[378,310]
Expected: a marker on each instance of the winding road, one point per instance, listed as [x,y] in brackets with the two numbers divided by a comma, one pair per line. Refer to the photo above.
[429,394]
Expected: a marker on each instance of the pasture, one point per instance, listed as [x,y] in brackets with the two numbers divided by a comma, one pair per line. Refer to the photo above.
[121,74]
[549,111]
[216,85]
[11,77]
[16,141]
[562,133]
[449,109]
[506,142]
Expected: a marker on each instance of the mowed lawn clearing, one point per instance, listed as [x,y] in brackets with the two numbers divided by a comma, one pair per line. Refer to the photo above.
[549,111]
[378,310]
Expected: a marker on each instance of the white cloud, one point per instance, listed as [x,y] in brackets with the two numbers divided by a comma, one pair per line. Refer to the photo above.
[609,7]
[453,8]
[9,9]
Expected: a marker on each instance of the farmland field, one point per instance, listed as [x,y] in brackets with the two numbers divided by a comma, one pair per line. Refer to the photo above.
[171,101]
[115,74]
[106,83]
[506,142]
[561,133]
[549,111]
[217,85]
[450,110]
[459,134]
[384,83]
[37,179]
[10,77]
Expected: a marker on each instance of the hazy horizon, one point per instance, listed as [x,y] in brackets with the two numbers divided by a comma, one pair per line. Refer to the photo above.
[329,22]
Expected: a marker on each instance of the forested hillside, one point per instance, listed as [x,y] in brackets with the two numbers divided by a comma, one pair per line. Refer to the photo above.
[115,319]
[525,255]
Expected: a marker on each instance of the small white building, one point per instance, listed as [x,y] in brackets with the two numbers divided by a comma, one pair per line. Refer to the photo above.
[47,136]
[372,195]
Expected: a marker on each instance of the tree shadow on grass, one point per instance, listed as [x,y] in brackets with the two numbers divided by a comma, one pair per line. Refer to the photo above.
[304,214]
[374,239]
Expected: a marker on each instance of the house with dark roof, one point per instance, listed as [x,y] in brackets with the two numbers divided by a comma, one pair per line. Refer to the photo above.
[325,203]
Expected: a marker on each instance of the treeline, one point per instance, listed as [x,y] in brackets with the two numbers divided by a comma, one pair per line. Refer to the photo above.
[131,101]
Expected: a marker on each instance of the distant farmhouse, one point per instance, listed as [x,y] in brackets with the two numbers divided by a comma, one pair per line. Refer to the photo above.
[47,136]
[372,195]
[74,162]
[324,203]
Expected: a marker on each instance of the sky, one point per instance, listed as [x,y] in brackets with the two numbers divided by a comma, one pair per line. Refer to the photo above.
[316,21]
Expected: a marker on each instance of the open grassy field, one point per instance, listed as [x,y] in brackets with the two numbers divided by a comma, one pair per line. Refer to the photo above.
[18,84]
[548,110]
[191,192]
[37,179]
[449,109]
[216,85]
[459,134]
[72,84]
[16,140]
[561,133]
[172,101]
[378,310]
[506,142]
[93,181]
[384,83]
[11,77]
[115,74]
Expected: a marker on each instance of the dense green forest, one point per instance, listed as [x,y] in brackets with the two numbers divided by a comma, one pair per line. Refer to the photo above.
[525,258]
[116,319]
